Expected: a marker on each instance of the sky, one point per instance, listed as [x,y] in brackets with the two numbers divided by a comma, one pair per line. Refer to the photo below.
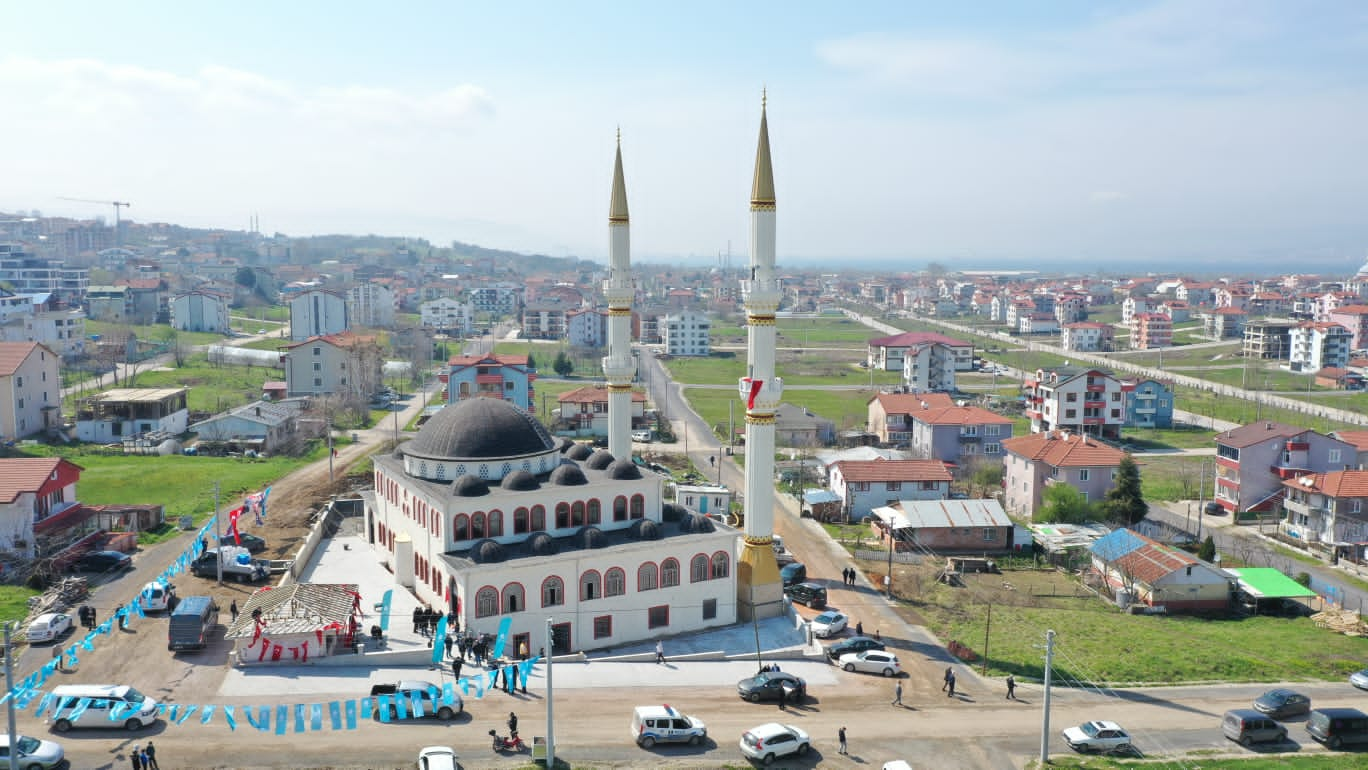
[971,134]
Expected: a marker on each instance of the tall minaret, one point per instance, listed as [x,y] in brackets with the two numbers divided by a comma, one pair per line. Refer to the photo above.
[759,592]
[619,367]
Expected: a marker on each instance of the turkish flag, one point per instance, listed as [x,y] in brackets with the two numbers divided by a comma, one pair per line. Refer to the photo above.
[755,387]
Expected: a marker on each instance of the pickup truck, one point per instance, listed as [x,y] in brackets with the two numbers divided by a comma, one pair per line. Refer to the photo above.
[429,695]
[234,568]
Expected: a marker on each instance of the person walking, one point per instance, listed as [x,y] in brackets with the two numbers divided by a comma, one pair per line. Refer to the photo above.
[1011,687]
[951,683]
[417,620]
[841,739]
[233,610]
[57,655]
[135,757]
[512,724]
[150,757]
[456,664]
[945,680]
[660,651]
[859,628]
[449,642]
[897,694]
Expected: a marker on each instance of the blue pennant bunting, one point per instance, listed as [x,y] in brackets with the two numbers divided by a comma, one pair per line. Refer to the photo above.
[228,717]
[335,715]
[315,716]
[350,707]
[282,717]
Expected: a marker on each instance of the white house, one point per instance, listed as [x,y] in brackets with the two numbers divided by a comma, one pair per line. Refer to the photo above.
[30,389]
[317,313]
[371,304]
[866,485]
[262,425]
[33,490]
[336,364]
[448,316]
[929,367]
[687,333]
[114,415]
[1316,345]
[707,499]
[586,328]
[200,311]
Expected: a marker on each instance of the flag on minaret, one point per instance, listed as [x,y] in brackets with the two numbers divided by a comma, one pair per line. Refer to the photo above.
[755,386]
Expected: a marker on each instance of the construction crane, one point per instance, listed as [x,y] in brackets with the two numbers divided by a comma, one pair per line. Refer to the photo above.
[118,231]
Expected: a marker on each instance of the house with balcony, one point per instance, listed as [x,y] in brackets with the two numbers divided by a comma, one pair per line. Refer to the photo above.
[545,319]
[1088,337]
[1224,323]
[36,494]
[1268,338]
[1037,322]
[1177,310]
[347,365]
[1355,319]
[30,389]
[493,376]
[959,434]
[1149,403]
[1359,438]
[446,315]
[890,413]
[1150,331]
[1056,457]
[929,367]
[1328,512]
[1317,345]
[1070,307]
[1131,306]
[585,410]
[864,485]
[122,413]
[1158,575]
[1075,398]
[1253,461]
[687,333]
[887,353]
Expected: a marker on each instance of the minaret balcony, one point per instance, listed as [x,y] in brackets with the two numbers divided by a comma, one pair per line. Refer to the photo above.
[619,368]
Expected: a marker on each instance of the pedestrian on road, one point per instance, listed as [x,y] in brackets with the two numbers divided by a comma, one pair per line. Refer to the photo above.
[660,651]
[57,655]
[951,683]
[135,756]
[150,757]
[945,680]
[1011,687]
[417,619]
[92,617]
[233,610]
[897,694]
[840,737]
[456,664]
[449,642]
[123,617]
[859,628]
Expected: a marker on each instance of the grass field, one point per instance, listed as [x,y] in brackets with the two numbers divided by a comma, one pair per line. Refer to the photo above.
[826,332]
[1242,411]
[212,388]
[1179,356]
[277,313]
[154,333]
[587,363]
[847,408]
[805,367]
[1164,438]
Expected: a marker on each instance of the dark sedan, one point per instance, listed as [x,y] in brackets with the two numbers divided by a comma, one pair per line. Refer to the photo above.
[104,561]
[252,543]
[852,645]
[771,685]
[1281,703]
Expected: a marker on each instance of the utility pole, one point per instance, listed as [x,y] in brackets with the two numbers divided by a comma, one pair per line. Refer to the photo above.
[1201,500]
[330,452]
[1045,709]
[9,702]
[888,579]
[988,624]
[550,712]
[218,532]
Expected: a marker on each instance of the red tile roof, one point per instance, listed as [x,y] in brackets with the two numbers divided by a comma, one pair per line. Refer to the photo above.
[1152,561]
[893,470]
[30,474]
[1350,310]
[342,340]
[590,394]
[506,360]
[1332,484]
[906,403]
[13,355]
[1359,438]
[1060,451]
[1257,432]
[959,415]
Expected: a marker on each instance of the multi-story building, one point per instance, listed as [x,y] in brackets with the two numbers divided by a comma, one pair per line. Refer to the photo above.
[586,410]
[864,485]
[1151,330]
[344,364]
[200,311]
[1088,336]
[890,414]
[1317,345]
[30,389]
[446,315]
[1268,338]
[1056,457]
[1075,398]
[1070,308]
[887,353]
[1149,403]
[929,367]
[957,434]
[506,377]
[687,333]
[586,328]
[1253,460]
[1355,319]
[122,414]
[1037,323]
[35,491]
[1224,323]
[317,313]
[1329,512]
[498,300]
[1130,306]
[33,318]
[1177,310]
[27,274]
[545,319]
[371,305]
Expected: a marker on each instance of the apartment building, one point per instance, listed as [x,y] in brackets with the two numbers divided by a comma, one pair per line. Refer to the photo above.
[344,364]
[1355,319]
[1268,338]
[687,333]
[1149,403]
[494,376]
[1088,336]
[371,305]
[26,274]
[1075,398]
[1224,323]
[1056,457]
[317,313]
[887,353]
[200,311]
[1317,345]
[587,328]
[1150,331]
[957,434]
[30,389]
[446,315]
[929,367]
[545,319]
[1253,460]
[890,414]
[1328,512]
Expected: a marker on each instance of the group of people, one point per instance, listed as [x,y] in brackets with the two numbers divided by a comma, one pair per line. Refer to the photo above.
[144,758]
[848,576]
[425,620]
[86,614]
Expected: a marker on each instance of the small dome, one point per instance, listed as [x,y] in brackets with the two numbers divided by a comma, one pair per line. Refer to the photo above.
[568,475]
[580,452]
[469,486]
[696,523]
[673,512]
[541,544]
[599,460]
[398,452]
[624,470]
[520,481]
[592,537]
[487,552]
[644,529]
[564,445]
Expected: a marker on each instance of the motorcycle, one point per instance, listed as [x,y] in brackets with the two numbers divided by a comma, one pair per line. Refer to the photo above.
[511,743]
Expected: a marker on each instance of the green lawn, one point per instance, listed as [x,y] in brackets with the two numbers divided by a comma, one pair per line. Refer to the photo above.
[1163,438]
[587,362]
[277,313]
[212,388]
[1179,356]
[847,408]
[154,333]
[795,367]
[1241,411]
[825,332]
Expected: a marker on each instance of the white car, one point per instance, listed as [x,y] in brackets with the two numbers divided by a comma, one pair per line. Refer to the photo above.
[49,626]
[1098,736]
[871,662]
[1359,679]
[829,623]
[34,754]
[771,740]
[437,758]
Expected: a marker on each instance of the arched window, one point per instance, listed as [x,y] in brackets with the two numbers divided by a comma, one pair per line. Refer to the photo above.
[477,525]
[698,569]
[538,519]
[486,602]
[577,514]
[638,506]
[591,585]
[595,512]
[669,573]
[513,599]
[495,523]
[520,521]
[647,577]
[620,509]
[614,582]
[721,564]
[553,592]
[460,527]
[562,515]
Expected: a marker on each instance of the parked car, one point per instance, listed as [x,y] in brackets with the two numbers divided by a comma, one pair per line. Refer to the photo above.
[1282,703]
[253,543]
[852,645]
[1336,727]
[1359,679]
[664,724]
[793,573]
[828,624]
[768,741]
[1213,508]
[871,662]
[1247,727]
[768,685]
[813,595]
[33,753]
[1098,736]
[104,561]
[48,627]
[437,758]
[429,694]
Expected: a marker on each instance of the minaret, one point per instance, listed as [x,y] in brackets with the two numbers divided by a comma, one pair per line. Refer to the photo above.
[759,592]
[619,367]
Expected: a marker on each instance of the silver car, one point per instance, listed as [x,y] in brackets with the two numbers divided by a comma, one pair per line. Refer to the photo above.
[33,753]
[1359,679]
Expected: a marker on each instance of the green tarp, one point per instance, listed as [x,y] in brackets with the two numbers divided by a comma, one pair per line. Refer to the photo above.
[1269,583]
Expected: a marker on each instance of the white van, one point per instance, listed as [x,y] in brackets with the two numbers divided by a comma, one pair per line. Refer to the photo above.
[108,705]
[663,724]
[156,596]
[643,436]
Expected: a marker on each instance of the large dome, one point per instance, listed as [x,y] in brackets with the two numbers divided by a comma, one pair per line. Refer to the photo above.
[480,429]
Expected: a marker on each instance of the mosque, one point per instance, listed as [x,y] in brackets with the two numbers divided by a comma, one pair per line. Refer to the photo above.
[486,515]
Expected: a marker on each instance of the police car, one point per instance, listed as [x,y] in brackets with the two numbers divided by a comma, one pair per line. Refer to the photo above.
[663,724]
